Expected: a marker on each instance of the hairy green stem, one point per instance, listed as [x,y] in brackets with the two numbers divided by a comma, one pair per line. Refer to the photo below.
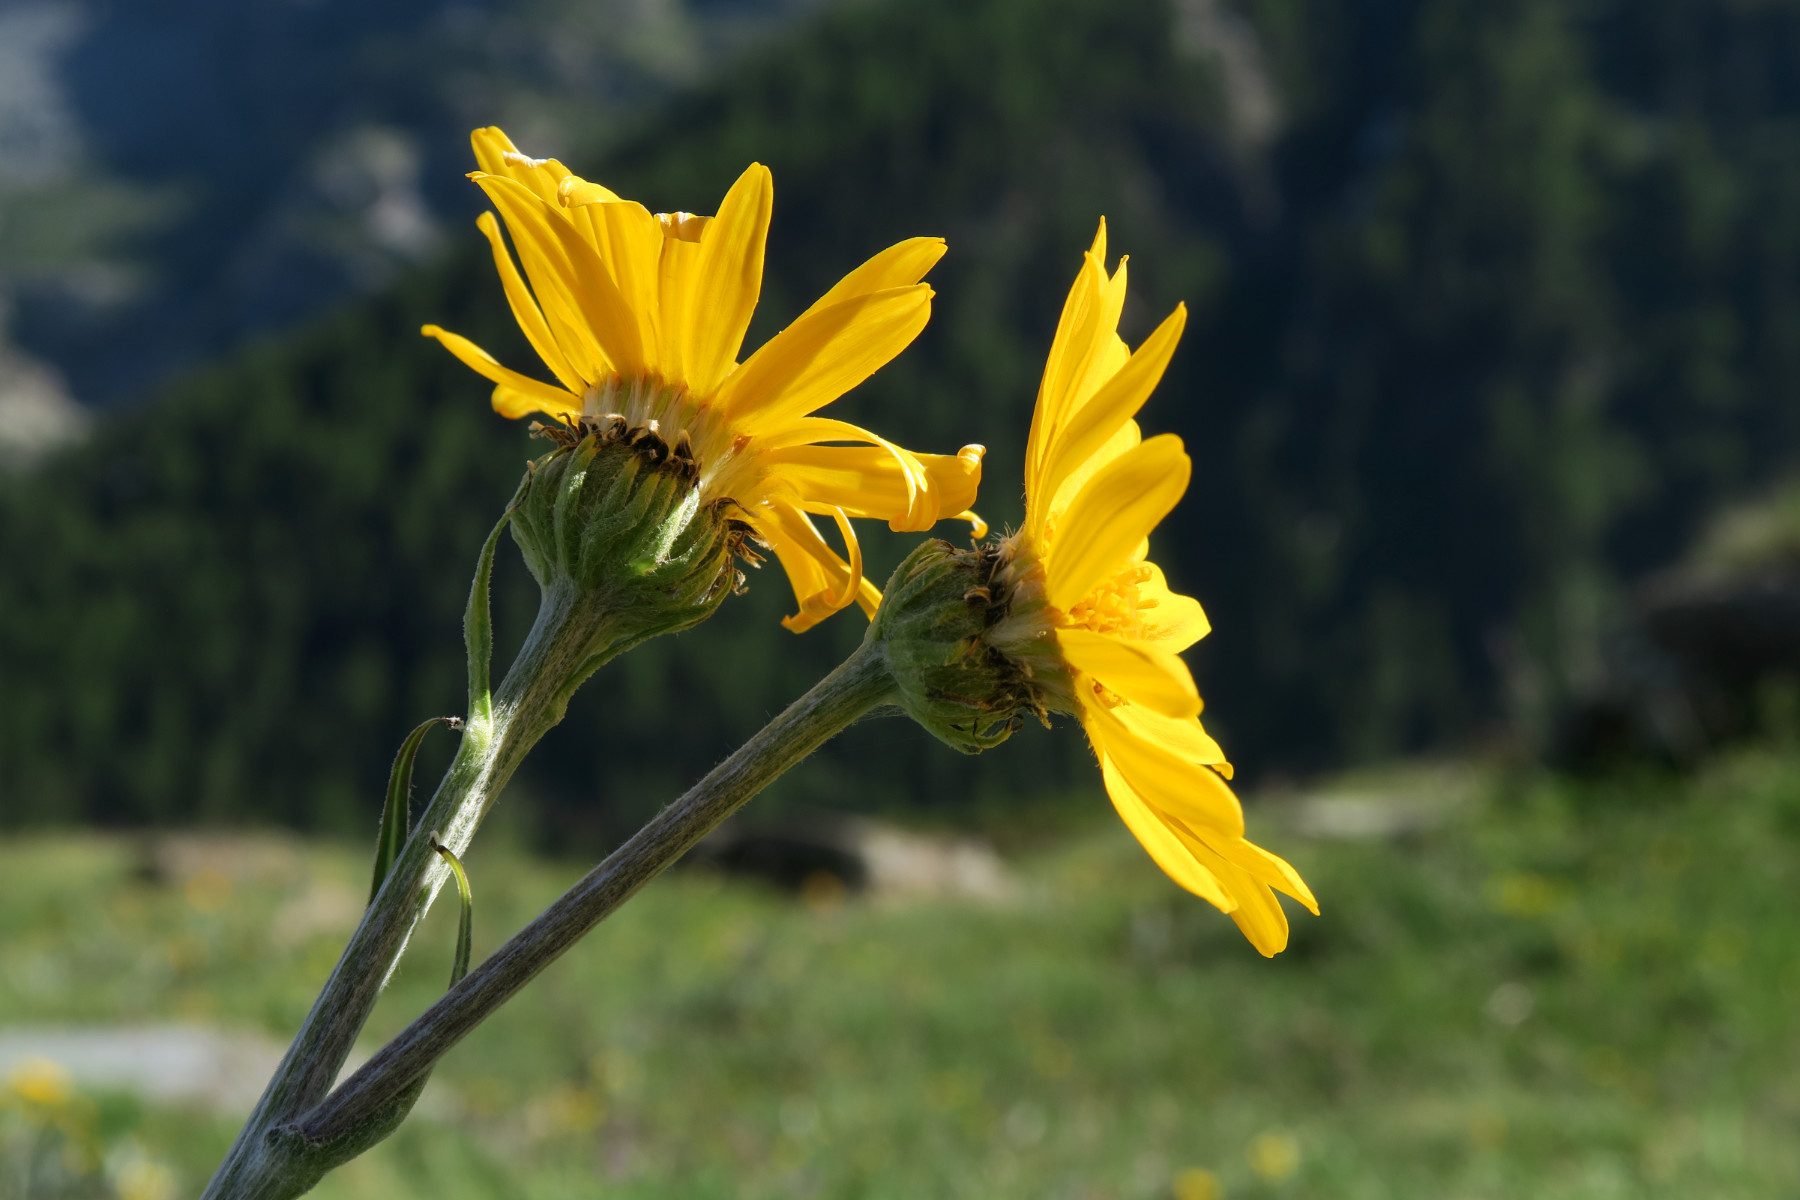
[857,687]
[568,641]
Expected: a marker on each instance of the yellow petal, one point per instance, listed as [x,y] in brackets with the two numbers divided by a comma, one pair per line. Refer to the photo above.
[1168,617]
[552,279]
[684,226]
[954,481]
[526,311]
[727,280]
[978,528]
[1264,869]
[807,431]
[1106,351]
[932,482]
[571,268]
[881,479]
[1115,403]
[496,155]
[514,404]
[1270,870]
[1183,736]
[868,597]
[1085,352]
[1259,914]
[491,145]
[630,240]
[1141,673]
[821,356]
[1164,778]
[855,574]
[1230,872]
[1074,330]
[900,264]
[1113,513]
[542,396]
[798,557]
[911,492]
[822,582]
[1051,507]
[1159,841]
[1294,885]
[574,192]
[677,301]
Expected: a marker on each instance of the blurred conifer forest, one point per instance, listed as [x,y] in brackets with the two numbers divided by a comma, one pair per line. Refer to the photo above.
[1494,301]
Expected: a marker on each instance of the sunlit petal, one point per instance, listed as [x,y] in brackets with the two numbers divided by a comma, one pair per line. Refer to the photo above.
[1141,673]
[823,355]
[544,397]
[526,311]
[1114,404]
[1164,778]
[1168,617]
[1113,513]
[899,265]
[1162,844]
[728,272]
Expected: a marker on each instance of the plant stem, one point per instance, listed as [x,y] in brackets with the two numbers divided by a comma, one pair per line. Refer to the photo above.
[572,635]
[858,686]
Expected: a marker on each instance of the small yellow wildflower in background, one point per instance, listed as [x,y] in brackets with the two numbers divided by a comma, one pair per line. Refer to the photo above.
[571,1109]
[144,1179]
[54,1131]
[40,1082]
[208,890]
[1198,1183]
[1521,894]
[1273,1156]
[641,316]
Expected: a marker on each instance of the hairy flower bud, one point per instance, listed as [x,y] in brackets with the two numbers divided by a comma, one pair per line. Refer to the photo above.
[937,619]
[613,528]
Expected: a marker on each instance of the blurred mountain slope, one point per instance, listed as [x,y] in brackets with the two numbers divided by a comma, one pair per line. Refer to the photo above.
[180,176]
[1493,301]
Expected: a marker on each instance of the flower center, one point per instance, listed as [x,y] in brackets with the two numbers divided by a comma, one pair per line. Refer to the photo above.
[1114,606]
[668,412]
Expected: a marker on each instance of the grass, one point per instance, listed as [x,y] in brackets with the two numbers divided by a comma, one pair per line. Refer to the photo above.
[1563,990]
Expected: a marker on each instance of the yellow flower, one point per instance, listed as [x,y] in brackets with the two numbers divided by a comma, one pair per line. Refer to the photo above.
[42,1082]
[1088,611]
[641,316]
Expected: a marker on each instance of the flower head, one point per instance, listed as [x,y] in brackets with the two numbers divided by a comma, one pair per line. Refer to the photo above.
[1087,598]
[640,317]
[1070,610]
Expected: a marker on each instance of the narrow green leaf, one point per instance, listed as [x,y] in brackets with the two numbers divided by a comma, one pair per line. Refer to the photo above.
[465,931]
[396,813]
[478,618]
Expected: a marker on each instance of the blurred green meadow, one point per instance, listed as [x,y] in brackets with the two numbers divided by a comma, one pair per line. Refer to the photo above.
[1522,985]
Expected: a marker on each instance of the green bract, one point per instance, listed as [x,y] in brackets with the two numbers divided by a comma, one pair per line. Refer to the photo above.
[936,619]
[612,526]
